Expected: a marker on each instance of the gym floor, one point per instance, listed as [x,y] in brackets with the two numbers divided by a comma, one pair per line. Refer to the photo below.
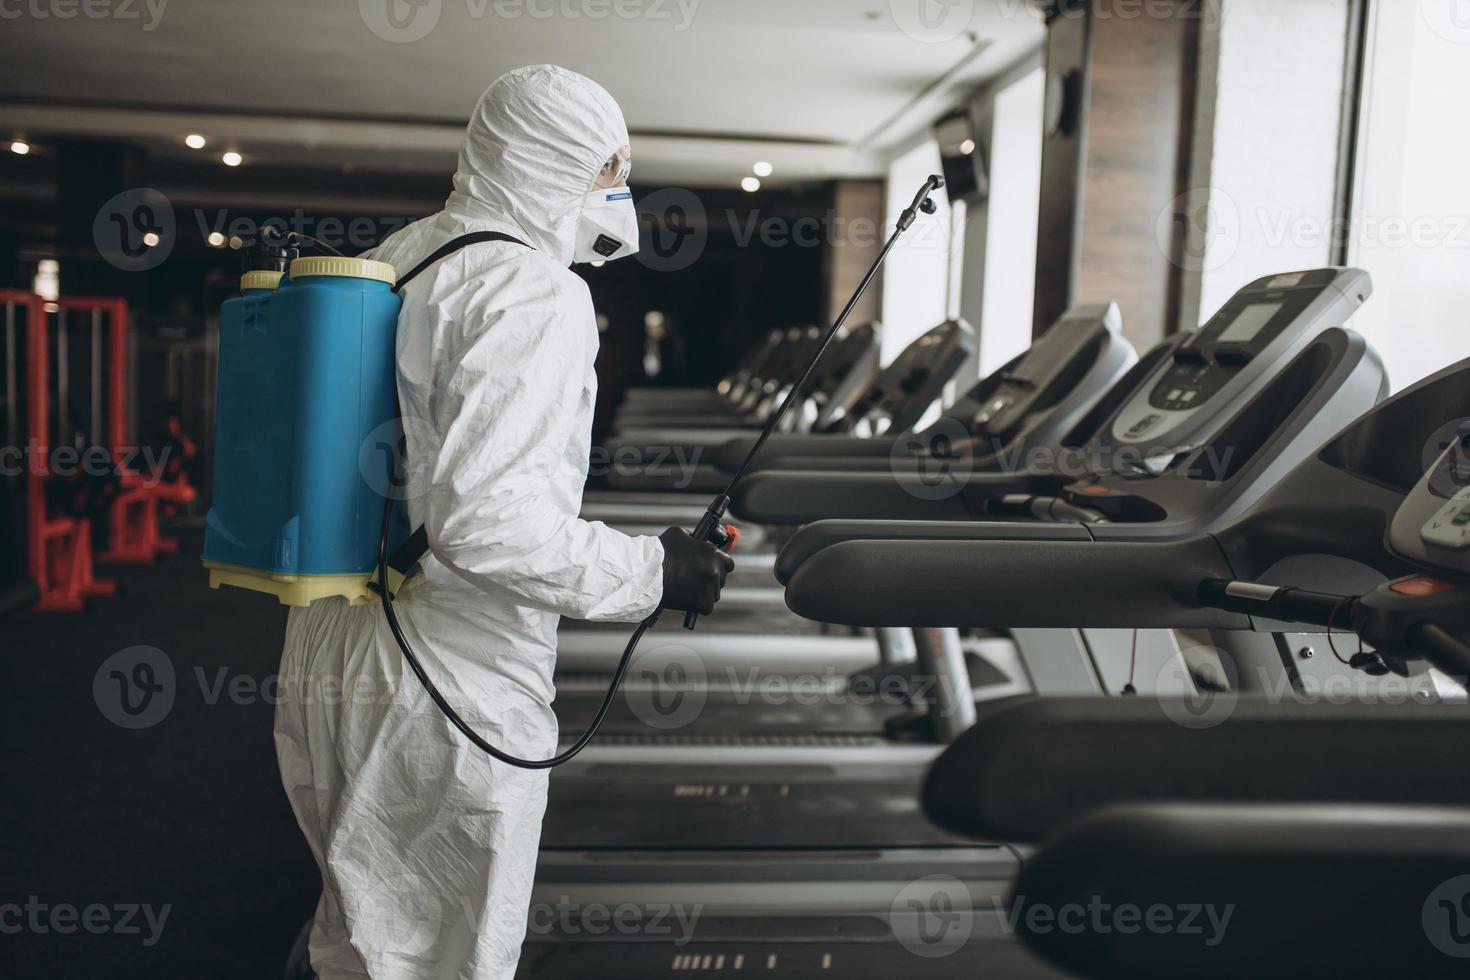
[185,816]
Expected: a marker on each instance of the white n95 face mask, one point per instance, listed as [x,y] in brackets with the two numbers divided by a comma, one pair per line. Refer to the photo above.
[608,228]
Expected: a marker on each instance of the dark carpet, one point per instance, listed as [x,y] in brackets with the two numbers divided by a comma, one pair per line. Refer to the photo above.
[183,816]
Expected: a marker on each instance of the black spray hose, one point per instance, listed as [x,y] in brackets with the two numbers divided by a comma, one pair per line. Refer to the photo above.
[386,594]
[709,528]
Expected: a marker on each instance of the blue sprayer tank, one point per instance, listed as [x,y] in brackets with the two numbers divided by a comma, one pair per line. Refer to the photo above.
[306,424]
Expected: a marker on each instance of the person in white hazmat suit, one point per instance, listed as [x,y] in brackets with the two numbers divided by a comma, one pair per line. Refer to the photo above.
[427,847]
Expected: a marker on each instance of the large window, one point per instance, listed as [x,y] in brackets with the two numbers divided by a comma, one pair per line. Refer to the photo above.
[1012,209]
[1411,210]
[920,277]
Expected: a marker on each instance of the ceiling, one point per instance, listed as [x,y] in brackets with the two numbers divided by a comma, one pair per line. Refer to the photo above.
[819,88]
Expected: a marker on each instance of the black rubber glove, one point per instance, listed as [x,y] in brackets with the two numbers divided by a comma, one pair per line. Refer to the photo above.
[694,572]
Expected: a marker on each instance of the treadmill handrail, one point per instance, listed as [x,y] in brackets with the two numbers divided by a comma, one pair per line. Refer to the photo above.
[991,582]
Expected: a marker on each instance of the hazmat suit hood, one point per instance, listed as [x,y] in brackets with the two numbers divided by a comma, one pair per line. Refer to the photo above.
[537,139]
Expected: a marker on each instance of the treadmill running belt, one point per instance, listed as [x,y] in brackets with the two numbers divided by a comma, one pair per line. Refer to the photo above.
[821,959]
[745,620]
[733,806]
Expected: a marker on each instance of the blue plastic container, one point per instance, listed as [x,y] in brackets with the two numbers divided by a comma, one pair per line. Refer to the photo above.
[305,426]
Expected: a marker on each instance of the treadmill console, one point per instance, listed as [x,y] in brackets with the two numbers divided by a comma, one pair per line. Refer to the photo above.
[1432,526]
[903,391]
[1040,376]
[1181,404]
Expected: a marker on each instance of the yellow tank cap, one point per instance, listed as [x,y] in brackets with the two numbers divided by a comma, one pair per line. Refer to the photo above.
[260,279]
[337,265]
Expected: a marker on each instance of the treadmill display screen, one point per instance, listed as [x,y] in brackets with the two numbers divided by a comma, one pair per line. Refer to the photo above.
[1249,323]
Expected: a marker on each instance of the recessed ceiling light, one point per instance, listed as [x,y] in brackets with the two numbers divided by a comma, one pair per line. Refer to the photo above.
[967,147]
[20,146]
[762,168]
[195,142]
[151,239]
[750,184]
[232,159]
[216,240]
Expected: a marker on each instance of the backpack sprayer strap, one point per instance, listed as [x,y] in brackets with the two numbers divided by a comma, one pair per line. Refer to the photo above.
[452,246]
[416,546]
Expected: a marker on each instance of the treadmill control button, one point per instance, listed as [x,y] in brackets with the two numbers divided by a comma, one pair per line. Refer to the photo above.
[1450,525]
[1421,585]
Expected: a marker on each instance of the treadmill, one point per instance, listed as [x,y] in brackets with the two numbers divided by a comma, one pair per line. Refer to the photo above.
[896,399]
[1028,405]
[1286,795]
[846,369]
[679,813]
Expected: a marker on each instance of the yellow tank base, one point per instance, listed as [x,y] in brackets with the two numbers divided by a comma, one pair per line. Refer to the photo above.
[291,589]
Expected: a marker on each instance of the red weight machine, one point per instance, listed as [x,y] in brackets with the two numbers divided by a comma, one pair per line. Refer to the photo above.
[59,546]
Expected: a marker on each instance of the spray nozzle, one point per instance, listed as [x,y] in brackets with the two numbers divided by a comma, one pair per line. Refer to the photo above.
[921,202]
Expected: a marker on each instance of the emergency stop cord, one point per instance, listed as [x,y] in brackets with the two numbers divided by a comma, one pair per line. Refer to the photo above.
[711,528]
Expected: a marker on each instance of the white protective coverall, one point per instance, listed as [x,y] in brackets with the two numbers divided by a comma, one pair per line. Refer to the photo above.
[427,847]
